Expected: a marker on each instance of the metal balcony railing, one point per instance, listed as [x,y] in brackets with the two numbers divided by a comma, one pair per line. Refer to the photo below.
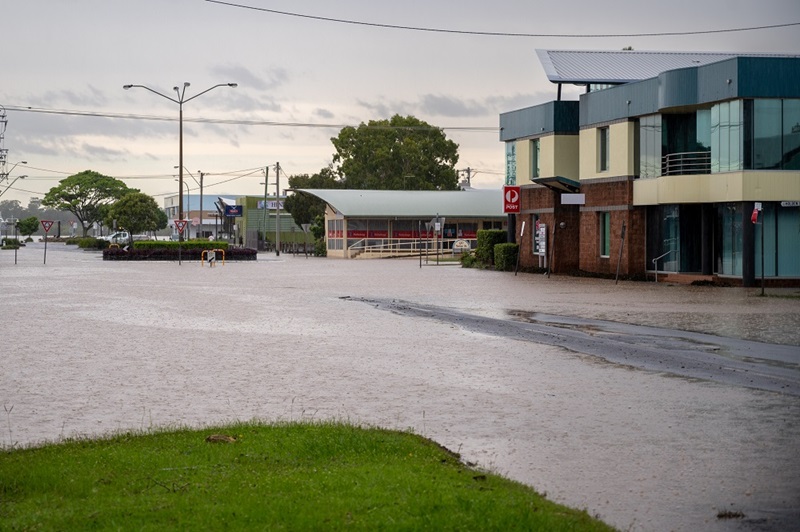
[686,163]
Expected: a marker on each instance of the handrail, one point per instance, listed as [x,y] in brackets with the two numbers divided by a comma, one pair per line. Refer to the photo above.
[655,261]
[688,162]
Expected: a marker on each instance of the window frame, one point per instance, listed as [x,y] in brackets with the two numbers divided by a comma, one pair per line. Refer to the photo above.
[603,149]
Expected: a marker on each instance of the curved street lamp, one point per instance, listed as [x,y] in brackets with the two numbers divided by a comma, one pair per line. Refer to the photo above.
[6,174]
[180,100]
[12,183]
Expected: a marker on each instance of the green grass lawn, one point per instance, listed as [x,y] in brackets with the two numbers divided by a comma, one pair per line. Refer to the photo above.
[297,476]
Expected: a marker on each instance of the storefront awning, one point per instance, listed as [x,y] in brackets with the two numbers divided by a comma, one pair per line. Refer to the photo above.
[558,183]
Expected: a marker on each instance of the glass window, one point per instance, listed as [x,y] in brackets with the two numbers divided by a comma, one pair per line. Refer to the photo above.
[650,146]
[535,158]
[767,134]
[605,234]
[729,239]
[602,149]
[511,163]
[791,135]
[727,134]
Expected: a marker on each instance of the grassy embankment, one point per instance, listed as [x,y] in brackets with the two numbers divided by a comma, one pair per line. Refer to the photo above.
[287,476]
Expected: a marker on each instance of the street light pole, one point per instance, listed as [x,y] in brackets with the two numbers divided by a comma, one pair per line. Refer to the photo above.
[189,207]
[264,217]
[4,175]
[181,99]
[12,183]
[277,209]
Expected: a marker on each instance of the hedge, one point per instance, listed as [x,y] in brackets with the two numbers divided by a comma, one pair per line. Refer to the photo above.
[487,240]
[194,253]
[505,256]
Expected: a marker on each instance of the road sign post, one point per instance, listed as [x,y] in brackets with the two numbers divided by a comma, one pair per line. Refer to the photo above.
[180,225]
[46,225]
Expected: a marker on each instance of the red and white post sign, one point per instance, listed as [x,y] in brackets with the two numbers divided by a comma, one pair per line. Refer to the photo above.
[180,225]
[46,225]
[511,199]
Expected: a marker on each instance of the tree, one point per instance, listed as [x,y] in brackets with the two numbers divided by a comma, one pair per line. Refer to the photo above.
[28,226]
[403,153]
[137,212]
[87,195]
[304,208]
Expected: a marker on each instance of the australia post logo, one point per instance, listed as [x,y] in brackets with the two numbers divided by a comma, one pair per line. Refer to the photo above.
[510,199]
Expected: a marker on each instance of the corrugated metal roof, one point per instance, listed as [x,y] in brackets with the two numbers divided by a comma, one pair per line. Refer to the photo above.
[624,66]
[472,203]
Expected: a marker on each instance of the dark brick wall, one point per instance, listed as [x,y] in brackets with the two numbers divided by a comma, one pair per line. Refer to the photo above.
[577,245]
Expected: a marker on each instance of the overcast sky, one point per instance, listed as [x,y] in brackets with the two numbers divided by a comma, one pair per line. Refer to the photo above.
[306,74]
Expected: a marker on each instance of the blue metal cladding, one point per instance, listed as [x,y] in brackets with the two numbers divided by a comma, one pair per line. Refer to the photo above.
[559,117]
[730,79]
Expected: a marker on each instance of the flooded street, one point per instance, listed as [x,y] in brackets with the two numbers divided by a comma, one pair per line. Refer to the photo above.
[475,360]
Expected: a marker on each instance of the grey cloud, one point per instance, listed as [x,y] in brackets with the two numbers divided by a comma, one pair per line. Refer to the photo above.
[323,113]
[275,77]
[436,105]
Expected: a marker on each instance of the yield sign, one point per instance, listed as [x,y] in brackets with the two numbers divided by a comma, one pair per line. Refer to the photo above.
[180,225]
[510,199]
[46,225]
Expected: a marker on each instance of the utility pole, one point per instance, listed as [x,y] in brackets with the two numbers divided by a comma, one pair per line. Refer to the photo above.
[277,209]
[266,182]
[200,225]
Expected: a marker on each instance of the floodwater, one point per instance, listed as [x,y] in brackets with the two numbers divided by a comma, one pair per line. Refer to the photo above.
[92,347]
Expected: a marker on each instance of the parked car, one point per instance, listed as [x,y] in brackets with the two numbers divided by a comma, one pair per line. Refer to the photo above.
[123,237]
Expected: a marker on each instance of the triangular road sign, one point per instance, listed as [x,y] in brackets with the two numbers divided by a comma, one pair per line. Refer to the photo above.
[47,224]
[180,225]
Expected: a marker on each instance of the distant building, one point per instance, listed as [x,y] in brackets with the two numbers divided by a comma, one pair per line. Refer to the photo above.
[381,223]
[659,167]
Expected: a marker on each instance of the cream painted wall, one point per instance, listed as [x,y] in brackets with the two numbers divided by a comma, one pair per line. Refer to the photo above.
[621,151]
[558,155]
[561,156]
[718,188]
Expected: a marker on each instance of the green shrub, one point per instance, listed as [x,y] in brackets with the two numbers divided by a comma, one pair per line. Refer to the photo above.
[468,260]
[487,240]
[186,245]
[320,250]
[11,243]
[90,242]
[505,256]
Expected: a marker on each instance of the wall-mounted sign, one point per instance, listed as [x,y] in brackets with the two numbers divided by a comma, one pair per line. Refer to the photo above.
[233,210]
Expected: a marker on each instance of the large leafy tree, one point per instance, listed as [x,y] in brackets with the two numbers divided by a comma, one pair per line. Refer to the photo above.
[304,207]
[402,153]
[87,195]
[137,212]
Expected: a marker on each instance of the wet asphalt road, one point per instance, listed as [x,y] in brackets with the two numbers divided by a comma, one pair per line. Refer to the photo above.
[762,366]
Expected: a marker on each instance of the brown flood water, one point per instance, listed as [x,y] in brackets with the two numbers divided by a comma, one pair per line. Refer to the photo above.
[92,347]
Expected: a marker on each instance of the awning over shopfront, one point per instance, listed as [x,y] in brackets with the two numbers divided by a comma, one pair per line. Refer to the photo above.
[558,183]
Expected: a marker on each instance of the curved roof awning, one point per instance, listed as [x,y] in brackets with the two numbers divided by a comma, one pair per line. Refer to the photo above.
[475,203]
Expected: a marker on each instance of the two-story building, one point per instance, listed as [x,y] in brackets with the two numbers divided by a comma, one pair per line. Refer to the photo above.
[679,164]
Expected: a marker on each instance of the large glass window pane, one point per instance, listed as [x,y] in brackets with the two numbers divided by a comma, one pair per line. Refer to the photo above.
[767,150]
[729,226]
[736,130]
[788,239]
[511,163]
[715,139]
[791,134]
[724,137]
[650,146]
[703,132]
[768,227]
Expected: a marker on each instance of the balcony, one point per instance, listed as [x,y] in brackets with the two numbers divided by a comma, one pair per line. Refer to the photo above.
[686,163]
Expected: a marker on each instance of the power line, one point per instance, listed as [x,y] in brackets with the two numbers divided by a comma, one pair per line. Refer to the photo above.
[228,121]
[499,33]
